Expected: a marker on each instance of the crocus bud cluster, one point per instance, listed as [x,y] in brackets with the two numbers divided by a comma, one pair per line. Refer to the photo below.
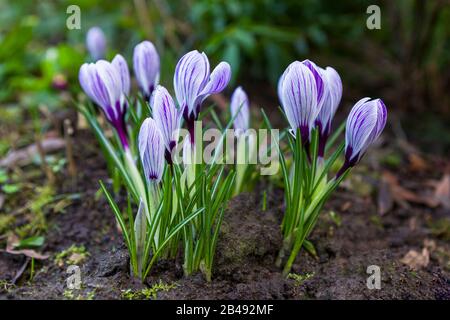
[310,96]
[108,85]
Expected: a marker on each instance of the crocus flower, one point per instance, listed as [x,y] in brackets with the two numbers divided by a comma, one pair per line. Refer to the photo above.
[167,118]
[193,83]
[332,98]
[102,82]
[96,43]
[298,94]
[364,125]
[240,110]
[146,66]
[151,150]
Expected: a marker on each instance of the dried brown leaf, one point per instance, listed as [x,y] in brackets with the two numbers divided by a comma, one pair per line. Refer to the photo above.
[417,163]
[399,194]
[346,205]
[416,260]
[442,191]
[13,242]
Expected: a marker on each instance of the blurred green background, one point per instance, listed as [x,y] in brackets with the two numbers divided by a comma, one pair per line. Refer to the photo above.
[406,62]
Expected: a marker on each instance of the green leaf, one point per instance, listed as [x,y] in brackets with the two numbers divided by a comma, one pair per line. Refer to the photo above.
[3,176]
[11,188]
[32,242]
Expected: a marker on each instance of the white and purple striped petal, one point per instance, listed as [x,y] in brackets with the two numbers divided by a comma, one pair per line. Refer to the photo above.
[96,43]
[101,82]
[321,84]
[193,82]
[240,109]
[122,67]
[298,95]
[151,150]
[365,123]
[146,65]
[218,80]
[166,115]
[332,98]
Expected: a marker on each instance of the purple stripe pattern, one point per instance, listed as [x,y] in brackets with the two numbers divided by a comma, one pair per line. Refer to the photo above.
[332,98]
[96,43]
[298,94]
[151,150]
[122,66]
[193,82]
[146,65]
[240,109]
[321,84]
[166,116]
[105,84]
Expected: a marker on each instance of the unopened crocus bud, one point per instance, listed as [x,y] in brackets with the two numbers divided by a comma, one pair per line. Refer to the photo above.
[240,110]
[146,65]
[167,118]
[193,83]
[151,150]
[59,82]
[102,82]
[332,98]
[96,43]
[365,123]
[122,67]
[298,94]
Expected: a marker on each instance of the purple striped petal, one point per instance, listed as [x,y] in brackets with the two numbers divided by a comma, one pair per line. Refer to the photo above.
[218,80]
[96,43]
[122,67]
[365,123]
[332,98]
[240,105]
[166,115]
[298,96]
[146,65]
[151,150]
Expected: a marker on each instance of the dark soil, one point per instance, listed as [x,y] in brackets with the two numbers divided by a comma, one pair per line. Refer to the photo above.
[248,247]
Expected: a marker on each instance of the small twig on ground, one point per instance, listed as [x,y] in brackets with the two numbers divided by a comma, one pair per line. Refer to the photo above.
[45,167]
[21,271]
